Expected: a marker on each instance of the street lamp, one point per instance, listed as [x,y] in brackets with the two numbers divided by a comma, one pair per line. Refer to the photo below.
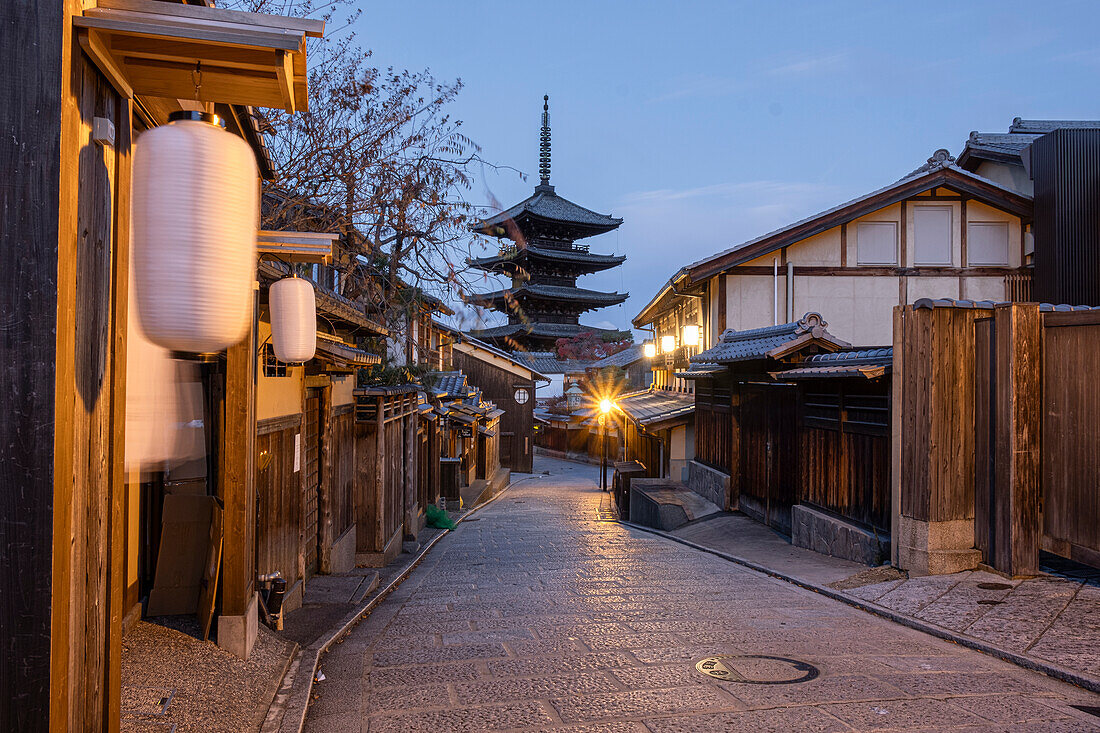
[605,407]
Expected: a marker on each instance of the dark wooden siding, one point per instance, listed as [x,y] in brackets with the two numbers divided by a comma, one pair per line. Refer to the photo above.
[844,449]
[643,448]
[1070,471]
[716,424]
[342,439]
[517,423]
[278,499]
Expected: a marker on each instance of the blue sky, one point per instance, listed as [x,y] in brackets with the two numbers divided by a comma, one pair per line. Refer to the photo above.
[704,124]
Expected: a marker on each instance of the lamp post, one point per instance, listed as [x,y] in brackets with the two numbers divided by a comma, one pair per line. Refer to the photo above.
[605,408]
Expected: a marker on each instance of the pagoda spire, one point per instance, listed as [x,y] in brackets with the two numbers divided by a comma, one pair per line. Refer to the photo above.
[544,143]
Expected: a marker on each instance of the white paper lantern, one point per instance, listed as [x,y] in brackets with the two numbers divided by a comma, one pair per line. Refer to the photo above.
[196,207]
[691,335]
[668,343]
[649,349]
[293,320]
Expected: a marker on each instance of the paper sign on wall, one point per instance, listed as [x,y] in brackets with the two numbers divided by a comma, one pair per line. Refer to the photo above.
[297,451]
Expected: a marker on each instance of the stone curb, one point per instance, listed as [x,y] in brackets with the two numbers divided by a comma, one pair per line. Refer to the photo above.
[1021,660]
[287,713]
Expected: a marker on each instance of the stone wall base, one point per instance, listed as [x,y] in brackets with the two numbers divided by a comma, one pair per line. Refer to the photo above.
[711,484]
[831,535]
[381,559]
[343,552]
[237,634]
[936,548]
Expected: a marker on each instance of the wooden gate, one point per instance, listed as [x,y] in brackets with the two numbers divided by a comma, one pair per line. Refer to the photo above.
[768,452]
[1069,468]
[311,479]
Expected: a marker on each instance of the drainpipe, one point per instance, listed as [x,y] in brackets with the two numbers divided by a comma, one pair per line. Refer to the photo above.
[775,291]
[790,292]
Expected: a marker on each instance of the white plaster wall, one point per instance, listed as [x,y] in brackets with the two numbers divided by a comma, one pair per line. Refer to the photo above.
[931,287]
[858,309]
[890,213]
[1009,176]
[820,250]
[984,288]
[749,301]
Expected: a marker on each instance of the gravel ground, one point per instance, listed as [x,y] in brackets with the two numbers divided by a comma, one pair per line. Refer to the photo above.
[171,678]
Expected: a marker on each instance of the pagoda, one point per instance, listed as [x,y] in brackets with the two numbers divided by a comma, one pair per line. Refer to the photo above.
[543,260]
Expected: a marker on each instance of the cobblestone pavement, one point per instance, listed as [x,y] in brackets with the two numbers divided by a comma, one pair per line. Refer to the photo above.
[536,615]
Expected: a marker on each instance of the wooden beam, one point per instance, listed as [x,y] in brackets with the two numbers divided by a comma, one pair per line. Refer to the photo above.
[237,476]
[153,26]
[233,57]
[285,73]
[93,44]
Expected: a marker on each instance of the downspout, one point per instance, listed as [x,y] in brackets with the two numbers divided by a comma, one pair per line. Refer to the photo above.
[790,292]
[775,291]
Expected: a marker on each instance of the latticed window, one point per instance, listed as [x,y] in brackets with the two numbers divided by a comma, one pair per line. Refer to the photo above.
[272,366]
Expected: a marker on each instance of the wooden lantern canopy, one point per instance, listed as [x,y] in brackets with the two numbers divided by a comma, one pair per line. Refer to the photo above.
[293,320]
[196,203]
[151,48]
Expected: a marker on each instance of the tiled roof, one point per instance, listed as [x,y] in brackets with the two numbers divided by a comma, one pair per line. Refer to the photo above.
[547,362]
[868,363]
[449,384]
[550,292]
[771,342]
[990,304]
[657,406]
[702,371]
[546,204]
[549,253]
[546,330]
[624,358]
[1009,146]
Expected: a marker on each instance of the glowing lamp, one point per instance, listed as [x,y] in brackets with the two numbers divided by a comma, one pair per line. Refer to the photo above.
[649,349]
[293,320]
[668,343]
[691,335]
[196,205]
[605,406]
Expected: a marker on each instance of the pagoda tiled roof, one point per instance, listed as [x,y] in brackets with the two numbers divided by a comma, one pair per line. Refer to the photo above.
[544,330]
[549,253]
[551,292]
[546,204]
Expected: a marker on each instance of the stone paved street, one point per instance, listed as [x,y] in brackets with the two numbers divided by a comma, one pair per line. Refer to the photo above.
[536,615]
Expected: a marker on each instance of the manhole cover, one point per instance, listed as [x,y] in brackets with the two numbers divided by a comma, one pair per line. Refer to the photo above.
[990,602]
[1090,709]
[757,669]
[994,586]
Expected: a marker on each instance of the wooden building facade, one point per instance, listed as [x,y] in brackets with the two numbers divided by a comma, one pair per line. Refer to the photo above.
[941,231]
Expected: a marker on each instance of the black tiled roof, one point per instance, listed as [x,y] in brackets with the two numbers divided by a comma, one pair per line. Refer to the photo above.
[546,204]
[657,406]
[449,384]
[1010,146]
[549,253]
[624,358]
[769,342]
[547,362]
[867,363]
[551,292]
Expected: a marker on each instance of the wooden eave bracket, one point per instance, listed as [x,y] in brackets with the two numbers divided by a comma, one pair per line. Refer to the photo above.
[152,48]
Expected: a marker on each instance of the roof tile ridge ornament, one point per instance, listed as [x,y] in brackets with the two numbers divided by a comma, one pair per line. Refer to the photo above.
[544,148]
[811,322]
[942,158]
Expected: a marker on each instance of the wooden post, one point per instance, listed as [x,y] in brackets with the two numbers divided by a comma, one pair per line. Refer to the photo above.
[237,626]
[328,481]
[1017,399]
[380,476]
[411,519]
[896,385]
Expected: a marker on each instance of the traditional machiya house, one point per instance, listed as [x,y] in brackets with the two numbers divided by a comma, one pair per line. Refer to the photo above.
[307,489]
[510,385]
[793,428]
[470,466]
[658,431]
[941,231]
[88,80]
[543,260]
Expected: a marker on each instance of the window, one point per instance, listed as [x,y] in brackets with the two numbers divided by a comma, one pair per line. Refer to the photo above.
[272,366]
[987,243]
[932,235]
[877,243]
